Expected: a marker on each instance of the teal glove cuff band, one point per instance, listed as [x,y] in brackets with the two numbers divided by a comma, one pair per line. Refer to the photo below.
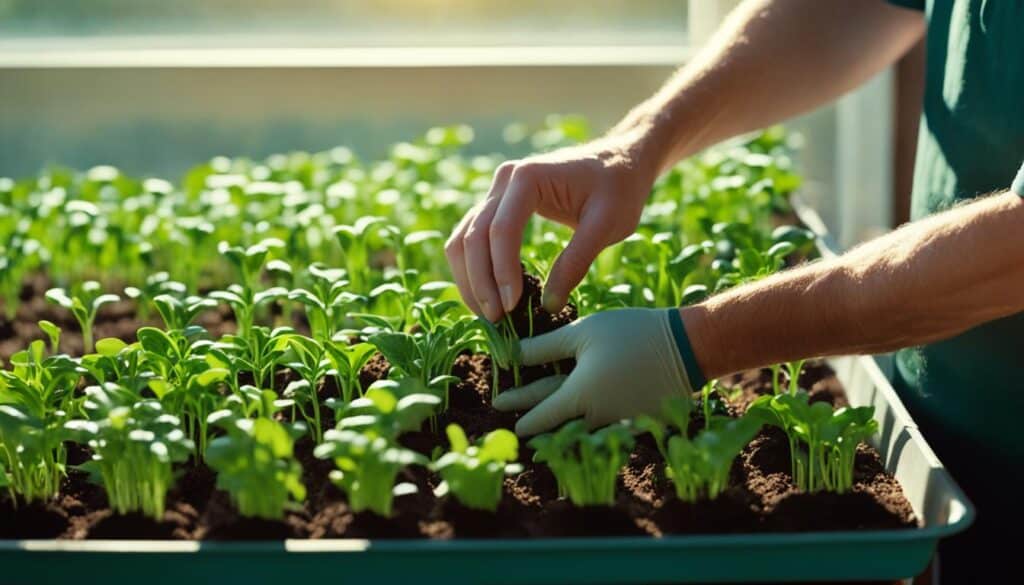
[1018,183]
[697,379]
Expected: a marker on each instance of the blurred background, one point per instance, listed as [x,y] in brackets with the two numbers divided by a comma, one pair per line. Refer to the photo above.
[156,86]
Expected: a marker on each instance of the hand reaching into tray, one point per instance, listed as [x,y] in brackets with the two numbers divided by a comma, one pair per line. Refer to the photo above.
[627,362]
[598,189]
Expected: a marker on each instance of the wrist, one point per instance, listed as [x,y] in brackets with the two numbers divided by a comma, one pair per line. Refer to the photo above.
[646,135]
[684,345]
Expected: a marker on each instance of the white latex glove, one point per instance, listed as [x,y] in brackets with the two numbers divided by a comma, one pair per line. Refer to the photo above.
[627,362]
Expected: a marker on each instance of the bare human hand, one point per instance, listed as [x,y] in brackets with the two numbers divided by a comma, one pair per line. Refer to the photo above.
[598,189]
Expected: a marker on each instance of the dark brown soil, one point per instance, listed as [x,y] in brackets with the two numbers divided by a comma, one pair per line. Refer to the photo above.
[530,319]
[761,496]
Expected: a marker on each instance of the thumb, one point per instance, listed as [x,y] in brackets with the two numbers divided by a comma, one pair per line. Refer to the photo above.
[573,263]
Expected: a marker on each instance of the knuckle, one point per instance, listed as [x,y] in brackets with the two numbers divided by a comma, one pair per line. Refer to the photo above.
[453,246]
[528,171]
[474,237]
[573,262]
[505,169]
[499,229]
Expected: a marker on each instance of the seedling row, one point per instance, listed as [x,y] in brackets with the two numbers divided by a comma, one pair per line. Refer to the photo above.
[289,348]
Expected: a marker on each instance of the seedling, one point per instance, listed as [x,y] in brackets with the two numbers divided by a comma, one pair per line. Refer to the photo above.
[698,467]
[156,284]
[355,246]
[83,305]
[326,300]
[178,313]
[822,442]
[307,358]
[42,384]
[134,445]
[504,350]
[35,397]
[31,455]
[249,261]
[475,473]
[365,448]
[793,370]
[347,360]
[185,382]
[585,464]
[257,355]
[428,356]
[244,303]
[255,463]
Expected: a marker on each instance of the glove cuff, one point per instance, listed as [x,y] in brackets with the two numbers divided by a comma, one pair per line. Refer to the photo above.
[693,371]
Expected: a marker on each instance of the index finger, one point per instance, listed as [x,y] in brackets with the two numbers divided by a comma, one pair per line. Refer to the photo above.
[455,252]
[506,234]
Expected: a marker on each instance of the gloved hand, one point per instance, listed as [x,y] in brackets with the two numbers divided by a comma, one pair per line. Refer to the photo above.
[627,362]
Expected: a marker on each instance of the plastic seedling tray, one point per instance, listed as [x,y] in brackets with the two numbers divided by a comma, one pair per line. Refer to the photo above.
[810,556]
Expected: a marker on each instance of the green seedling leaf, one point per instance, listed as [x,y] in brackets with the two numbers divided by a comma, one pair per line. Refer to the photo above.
[110,346]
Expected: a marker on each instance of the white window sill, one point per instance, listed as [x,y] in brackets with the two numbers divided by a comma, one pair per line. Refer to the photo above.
[37,55]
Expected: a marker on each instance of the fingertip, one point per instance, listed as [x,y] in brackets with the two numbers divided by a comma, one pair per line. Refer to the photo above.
[508,297]
[490,310]
[529,395]
[500,403]
[552,301]
[525,427]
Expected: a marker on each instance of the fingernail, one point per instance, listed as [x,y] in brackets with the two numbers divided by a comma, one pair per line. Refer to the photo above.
[485,306]
[506,297]
[552,303]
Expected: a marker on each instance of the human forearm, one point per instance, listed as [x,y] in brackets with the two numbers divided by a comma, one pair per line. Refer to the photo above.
[771,59]
[927,281]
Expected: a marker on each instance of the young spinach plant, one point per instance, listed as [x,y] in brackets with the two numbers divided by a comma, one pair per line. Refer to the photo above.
[585,464]
[134,445]
[698,467]
[476,473]
[84,305]
[255,463]
[822,441]
[365,447]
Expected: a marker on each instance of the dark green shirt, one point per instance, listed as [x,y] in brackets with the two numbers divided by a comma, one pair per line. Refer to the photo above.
[971,143]
[967,393]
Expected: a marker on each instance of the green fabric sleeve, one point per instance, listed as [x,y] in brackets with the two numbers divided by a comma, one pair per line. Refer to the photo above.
[1018,183]
[693,372]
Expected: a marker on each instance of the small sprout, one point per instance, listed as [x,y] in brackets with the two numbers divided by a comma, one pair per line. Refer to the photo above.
[475,473]
[326,300]
[244,303]
[698,467]
[347,361]
[365,447]
[585,464]
[307,358]
[822,442]
[156,284]
[428,356]
[134,445]
[31,455]
[177,313]
[52,332]
[255,463]
[84,305]
[249,260]
[504,350]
